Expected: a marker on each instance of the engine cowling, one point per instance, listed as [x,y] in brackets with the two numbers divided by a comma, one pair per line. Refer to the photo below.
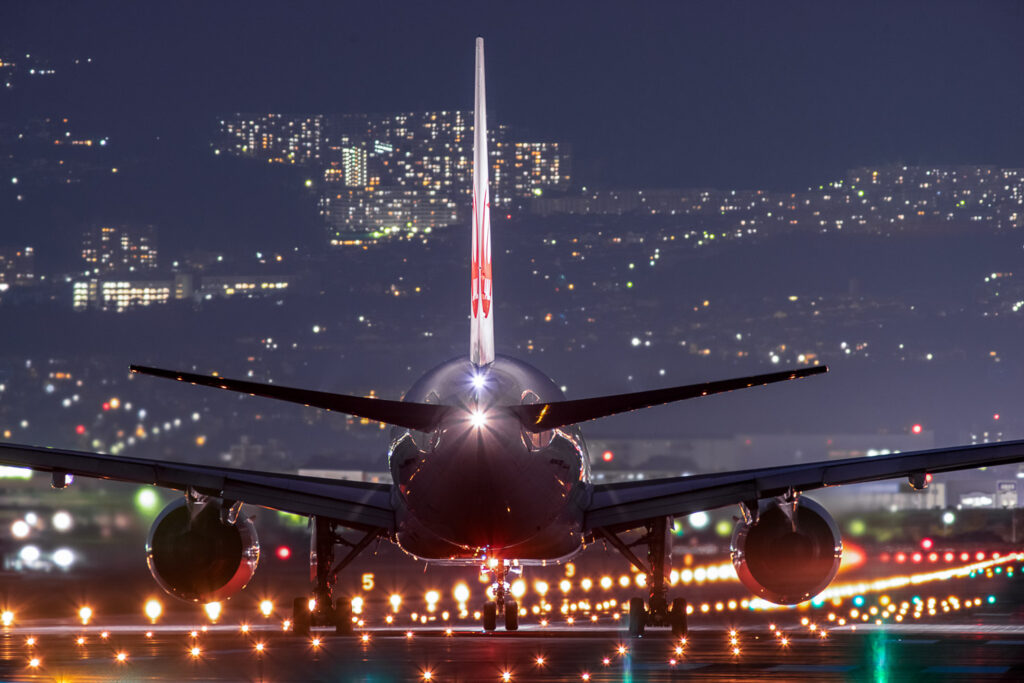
[787,561]
[205,560]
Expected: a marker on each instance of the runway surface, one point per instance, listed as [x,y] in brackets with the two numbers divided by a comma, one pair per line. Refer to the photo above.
[895,652]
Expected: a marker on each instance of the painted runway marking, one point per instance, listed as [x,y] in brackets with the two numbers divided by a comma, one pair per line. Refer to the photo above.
[811,668]
[966,669]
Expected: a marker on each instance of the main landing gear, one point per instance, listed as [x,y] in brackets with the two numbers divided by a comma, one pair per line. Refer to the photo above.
[504,603]
[323,609]
[658,611]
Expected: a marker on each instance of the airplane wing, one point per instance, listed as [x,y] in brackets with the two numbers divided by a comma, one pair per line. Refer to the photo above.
[356,504]
[629,504]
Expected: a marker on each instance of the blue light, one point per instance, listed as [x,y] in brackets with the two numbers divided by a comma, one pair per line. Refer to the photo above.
[858,601]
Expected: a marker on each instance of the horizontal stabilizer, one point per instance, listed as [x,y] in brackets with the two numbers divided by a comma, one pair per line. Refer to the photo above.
[418,416]
[540,417]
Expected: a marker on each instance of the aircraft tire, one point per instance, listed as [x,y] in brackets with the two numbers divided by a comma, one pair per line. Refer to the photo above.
[302,618]
[637,617]
[511,615]
[677,618]
[343,617]
[490,615]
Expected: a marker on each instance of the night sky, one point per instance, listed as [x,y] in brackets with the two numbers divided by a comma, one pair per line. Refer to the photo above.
[778,95]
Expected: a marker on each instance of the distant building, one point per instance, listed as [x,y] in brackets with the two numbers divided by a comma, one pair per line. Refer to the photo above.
[17,267]
[274,138]
[404,171]
[120,295]
[372,214]
[241,286]
[119,249]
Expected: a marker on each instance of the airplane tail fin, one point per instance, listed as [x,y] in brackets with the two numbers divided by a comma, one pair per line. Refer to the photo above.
[481,339]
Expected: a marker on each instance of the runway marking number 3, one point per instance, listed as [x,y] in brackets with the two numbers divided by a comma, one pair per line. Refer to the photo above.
[367,582]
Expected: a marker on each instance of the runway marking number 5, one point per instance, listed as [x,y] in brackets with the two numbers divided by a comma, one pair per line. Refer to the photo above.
[367,582]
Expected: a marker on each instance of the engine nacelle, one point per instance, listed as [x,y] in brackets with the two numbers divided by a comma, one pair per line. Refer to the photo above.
[204,559]
[784,560]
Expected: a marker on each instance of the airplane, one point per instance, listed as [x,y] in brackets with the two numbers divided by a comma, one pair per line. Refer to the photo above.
[490,469]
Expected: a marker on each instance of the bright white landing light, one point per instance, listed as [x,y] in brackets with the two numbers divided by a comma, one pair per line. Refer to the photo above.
[699,520]
[479,381]
[477,419]
[63,558]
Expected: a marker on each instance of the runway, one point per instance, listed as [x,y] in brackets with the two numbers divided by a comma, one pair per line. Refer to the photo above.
[265,652]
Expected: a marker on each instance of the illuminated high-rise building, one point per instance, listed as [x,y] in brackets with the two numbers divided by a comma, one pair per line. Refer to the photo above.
[275,138]
[120,248]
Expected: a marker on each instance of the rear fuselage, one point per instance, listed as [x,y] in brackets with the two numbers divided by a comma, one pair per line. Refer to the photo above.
[480,485]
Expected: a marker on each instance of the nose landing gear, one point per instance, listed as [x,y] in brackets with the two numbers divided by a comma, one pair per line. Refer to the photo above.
[504,602]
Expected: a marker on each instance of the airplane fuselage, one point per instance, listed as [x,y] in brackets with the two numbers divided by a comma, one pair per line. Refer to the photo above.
[480,485]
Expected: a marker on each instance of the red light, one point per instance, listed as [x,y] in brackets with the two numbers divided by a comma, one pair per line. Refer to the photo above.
[106,405]
[900,557]
[964,557]
[996,416]
[284,552]
[916,557]
[884,557]
[980,556]
[948,557]
[933,557]
[916,429]
[607,456]
[926,543]
[80,429]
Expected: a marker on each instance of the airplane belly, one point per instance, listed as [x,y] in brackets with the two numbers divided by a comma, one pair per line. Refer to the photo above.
[481,483]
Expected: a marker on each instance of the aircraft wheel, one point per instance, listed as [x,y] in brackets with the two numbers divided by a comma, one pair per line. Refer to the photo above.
[511,615]
[302,618]
[637,617]
[343,617]
[677,618]
[490,615]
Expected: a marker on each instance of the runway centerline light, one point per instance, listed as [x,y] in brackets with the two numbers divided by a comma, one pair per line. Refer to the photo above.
[153,609]
[85,614]
[195,651]
[20,529]
[266,608]
[213,610]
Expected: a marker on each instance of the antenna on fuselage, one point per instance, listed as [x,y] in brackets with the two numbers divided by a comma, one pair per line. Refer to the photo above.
[481,338]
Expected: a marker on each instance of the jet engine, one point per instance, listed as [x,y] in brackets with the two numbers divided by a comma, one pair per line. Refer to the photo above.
[199,553]
[789,553]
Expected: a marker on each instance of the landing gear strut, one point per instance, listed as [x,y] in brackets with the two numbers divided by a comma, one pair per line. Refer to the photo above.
[504,603]
[658,611]
[323,610]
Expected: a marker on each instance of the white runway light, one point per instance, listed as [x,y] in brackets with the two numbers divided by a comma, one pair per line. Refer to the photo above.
[63,558]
